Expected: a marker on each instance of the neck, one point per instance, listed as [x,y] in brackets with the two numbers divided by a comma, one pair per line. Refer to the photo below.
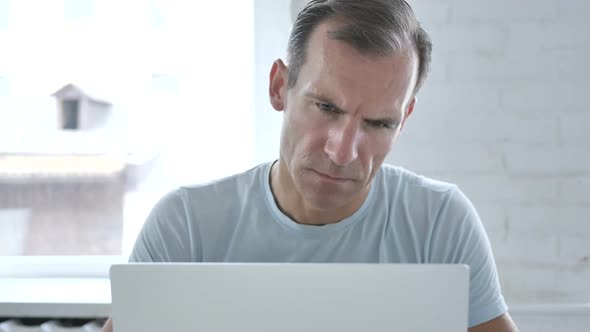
[294,205]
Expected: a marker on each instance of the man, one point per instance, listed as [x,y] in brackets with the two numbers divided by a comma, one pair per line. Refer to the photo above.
[355,68]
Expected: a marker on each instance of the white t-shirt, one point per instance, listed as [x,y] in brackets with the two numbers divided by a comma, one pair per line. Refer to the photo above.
[405,218]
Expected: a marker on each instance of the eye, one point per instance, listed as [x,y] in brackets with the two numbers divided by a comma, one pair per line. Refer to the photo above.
[379,124]
[326,107]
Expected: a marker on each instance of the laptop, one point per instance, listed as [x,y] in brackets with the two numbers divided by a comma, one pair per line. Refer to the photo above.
[289,297]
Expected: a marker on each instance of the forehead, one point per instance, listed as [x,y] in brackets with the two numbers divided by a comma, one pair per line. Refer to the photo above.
[336,68]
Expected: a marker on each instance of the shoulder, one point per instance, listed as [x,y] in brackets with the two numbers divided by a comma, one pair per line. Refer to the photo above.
[427,204]
[234,186]
[179,222]
[208,199]
[410,187]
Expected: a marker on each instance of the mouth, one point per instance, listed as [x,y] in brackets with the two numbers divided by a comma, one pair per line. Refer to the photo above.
[330,177]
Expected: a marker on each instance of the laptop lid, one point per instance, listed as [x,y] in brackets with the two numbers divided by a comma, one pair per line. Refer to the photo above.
[289,297]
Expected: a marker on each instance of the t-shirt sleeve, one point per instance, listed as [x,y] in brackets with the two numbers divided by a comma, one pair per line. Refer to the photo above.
[167,234]
[459,238]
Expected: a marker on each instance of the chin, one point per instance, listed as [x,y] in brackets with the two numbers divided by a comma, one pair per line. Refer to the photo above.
[325,197]
[325,194]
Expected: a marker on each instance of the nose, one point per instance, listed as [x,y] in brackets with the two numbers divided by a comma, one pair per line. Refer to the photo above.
[342,143]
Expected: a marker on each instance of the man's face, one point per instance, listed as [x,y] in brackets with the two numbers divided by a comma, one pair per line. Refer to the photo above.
[340,119]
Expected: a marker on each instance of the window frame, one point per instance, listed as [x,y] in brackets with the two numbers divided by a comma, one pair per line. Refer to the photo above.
[58,266]
[273,42]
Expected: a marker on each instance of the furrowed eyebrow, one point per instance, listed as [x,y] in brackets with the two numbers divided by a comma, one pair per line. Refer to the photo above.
[324,100]
[391,122]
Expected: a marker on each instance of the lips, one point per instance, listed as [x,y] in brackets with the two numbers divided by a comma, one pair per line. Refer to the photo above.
[333,177]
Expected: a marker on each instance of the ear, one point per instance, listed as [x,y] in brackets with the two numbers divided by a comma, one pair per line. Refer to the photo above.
[278,85]
[408,112]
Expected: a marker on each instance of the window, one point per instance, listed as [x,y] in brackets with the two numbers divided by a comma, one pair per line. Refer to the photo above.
[78,10]
[70,112]
[154,75]
[4,87]
[4,11]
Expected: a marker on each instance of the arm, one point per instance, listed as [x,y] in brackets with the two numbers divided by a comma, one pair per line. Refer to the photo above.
[108,326]
[459,238]
[503,323]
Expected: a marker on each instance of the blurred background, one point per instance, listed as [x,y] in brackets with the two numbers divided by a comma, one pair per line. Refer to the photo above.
[106,105]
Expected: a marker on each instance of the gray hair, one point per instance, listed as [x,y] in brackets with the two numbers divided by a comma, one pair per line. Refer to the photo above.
[373,27]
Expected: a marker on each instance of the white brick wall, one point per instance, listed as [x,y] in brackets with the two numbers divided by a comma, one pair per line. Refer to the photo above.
[544,96]
[444,96]
[501,11]
[574,190]
[464,158]
[574,128]
[548,36]
[547,160]
[505,190]
[522,280]
[487,127]
[575,249]
[506,115]
[541,221]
